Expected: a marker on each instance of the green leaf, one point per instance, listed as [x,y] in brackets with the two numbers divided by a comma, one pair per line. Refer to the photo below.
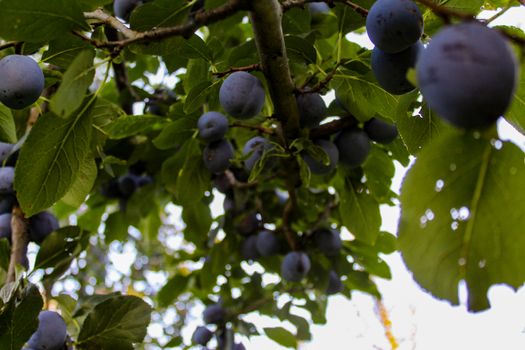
[73,87]
[300,49]
[193,178]
[159,13]
[458,219]
[198,220]
[51,158]
[116,228]
[168,294]
[379,170]
[175,133]
[7,125]
[115,323]
[83,184]
[195,47]
[515,114]
[62,51]
[39,21]
[61,246]
[5,251]
[131,125]
[198,95]
[281,336]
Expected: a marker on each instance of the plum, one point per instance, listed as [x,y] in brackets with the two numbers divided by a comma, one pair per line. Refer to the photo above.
[42,225]
[214,314]
[222,183]
[467,75]
[22,81]
[5,150]
[334,283]
[248,223]
[123,8]
[217,156]
[380,131]
[354,146]
[111,189]
[295,266]
[316,166]
[328,241]
[51,333]
[7,177]
[201,336]
[5,226]
[144,180]
[312,109]
[127,184]
[242,95]
[317,8]
[394,25]
[239,346]
[212,126]
[256,147]
[249,248]
[390,69]
[268,243]
[7,202]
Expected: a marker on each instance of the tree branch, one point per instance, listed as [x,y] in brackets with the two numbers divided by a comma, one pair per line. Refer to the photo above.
[105,18]
[250,68]
[266,22]
[446,13]
[19,241]
[332,127]
[286,5]
[259,128]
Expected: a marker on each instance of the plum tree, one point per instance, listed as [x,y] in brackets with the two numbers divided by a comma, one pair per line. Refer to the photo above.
[295,266]
[123,8]
[7,178]
[42,225]
[353,145]
[317,166]
[201,336]
[242,95]
[22,81]
[217,156]
[390,69]
[51,333]
[5,225]
[380,131]
[268,243]
[328,241]
[312,109]
[467,74]
[394,25]
[254,150]
[214,314]
[212,126]
[334,283]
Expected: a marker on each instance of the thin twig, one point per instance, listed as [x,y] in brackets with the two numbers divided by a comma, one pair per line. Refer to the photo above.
[9,44]
[249,68]
[259,128]
[332,127]
[445,12]
[320,85]
[286,5]
[101,15]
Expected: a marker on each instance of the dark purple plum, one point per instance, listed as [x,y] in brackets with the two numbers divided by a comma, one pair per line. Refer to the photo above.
[7,202]
[42,225]
[249,248]
[255,146]
[317,8]
[22,81]
[201,336]
[51,333]
[380,131]
[394,25]
[5,226]
[295,266]
[127,184]
[212,126]
[248,223]
[390,69]
[334,283]
[354,146]
[467,75]
[242,95]
[111,189]
[217,156]
[7,177]
[214,314]
[328,241]
[268,243]
[123,8]
[222,183]
[312,109]
[316,166]
[144,180]
[5,150]
[239,346]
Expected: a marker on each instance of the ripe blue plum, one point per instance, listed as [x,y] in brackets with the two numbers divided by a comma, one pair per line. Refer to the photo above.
[467,75]
[212,126]
[354,146]
[42,225]
[268,243]
[248,223]
[380,131]
[202,335]
[214,314]
[295,266]
[5,226]
[334,283]
[317,8]
[328,241]
[51,333]
[249,248]
[239,346]
[390,69]
[316,166]
[242,95]
[7,202]
[22,81]
[394,25]
[5,150]
[217,156]
[312,109]
[7,177]
[123,8]
[127,184]
[256,147]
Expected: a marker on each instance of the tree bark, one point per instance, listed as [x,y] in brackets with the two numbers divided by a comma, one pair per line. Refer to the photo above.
[19,241]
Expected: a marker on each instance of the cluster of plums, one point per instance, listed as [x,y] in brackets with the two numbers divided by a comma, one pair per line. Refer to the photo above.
[51,333]
[214,314]
[123,187]
[22,81]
